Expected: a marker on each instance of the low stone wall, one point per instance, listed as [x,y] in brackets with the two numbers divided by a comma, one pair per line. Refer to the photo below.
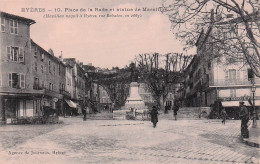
[33,120]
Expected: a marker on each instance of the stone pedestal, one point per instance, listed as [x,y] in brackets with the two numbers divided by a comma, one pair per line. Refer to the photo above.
[134,100]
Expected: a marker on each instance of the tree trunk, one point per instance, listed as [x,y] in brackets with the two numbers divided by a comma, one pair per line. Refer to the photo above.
[161,101]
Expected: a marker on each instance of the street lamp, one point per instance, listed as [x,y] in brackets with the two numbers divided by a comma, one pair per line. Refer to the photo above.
[253,89]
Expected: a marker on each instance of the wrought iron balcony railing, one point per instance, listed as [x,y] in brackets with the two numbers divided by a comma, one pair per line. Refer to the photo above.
[232,82]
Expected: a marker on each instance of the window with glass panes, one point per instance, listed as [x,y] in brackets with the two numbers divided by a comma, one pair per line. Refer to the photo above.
[15,54]
[16,80]
[13,27]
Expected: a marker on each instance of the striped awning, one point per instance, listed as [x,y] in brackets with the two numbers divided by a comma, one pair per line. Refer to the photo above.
[236,103]
[71,103]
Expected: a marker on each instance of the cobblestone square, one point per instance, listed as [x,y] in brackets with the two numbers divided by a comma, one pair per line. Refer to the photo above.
[125,141]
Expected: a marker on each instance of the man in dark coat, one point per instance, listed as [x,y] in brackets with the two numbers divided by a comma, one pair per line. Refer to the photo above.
[244,116]
[175,109]
[224,115]
[154,117]
[84,112]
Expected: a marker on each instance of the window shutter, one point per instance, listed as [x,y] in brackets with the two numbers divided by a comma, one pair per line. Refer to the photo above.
[10,79]
[12,54]
[42,56]
[238,74]
[244,74]
[2,24]
[15,27]
[21,54]
[22,81]
[8,53]
[226,75]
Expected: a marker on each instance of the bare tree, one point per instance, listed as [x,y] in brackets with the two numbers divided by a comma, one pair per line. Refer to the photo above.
[115,84]
[161,72]
[232,27]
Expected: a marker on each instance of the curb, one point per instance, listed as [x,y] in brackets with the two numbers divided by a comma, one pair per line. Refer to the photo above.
[250,143]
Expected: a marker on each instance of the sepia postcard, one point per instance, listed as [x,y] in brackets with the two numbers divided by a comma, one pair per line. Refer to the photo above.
[133,81]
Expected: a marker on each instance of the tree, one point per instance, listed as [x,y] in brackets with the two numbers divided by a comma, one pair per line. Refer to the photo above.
[161,72]
[115,84]
[233,27]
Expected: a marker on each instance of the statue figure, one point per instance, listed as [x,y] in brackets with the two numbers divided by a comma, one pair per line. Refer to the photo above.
[134,75]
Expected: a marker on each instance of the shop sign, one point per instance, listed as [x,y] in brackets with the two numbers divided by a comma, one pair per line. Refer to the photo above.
[234,98]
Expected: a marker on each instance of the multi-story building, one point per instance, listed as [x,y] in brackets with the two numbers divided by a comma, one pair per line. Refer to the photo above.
[210,80]
[31,78]
[69,85]
[48,74]
[79,79]
[105,101]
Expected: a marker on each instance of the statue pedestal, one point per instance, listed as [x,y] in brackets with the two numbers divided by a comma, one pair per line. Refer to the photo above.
[134,100]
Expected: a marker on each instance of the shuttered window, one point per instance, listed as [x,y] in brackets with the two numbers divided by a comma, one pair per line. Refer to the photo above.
[16,80]
[15,54]
[2,24]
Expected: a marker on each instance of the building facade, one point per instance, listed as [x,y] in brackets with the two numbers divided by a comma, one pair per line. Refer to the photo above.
[210,80]
[79,83]
[31,78]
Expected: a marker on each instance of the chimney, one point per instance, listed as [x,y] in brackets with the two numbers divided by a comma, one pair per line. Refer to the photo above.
[60,57]
[61,54]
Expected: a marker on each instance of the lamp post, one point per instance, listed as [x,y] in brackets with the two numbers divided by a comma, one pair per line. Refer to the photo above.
[253,89]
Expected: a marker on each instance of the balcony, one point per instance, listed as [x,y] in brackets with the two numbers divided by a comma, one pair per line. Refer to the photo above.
[232,82]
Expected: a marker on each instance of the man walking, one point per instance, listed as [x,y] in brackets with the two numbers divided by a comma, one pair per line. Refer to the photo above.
[84,112]
[175,109]
[154,117]
[224,115]
[244,116]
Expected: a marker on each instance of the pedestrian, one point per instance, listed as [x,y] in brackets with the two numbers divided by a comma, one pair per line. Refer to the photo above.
[166,109]
[154,117]
[112,107]
[175,110]
[224,115]
[84,112]
[244,116]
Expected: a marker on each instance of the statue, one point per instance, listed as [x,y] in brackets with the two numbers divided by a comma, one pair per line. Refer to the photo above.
[134,75]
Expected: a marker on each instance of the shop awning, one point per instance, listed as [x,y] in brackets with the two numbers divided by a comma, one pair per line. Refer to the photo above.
[236,103]
[71,103]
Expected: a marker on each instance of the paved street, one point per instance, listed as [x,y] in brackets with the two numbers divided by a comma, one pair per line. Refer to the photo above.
[125,141]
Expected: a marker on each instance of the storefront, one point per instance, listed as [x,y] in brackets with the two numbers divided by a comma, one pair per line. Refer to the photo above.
[232,106]
[28,107]
[70,108]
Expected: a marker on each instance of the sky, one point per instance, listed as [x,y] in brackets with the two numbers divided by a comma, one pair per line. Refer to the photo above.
[105,42]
